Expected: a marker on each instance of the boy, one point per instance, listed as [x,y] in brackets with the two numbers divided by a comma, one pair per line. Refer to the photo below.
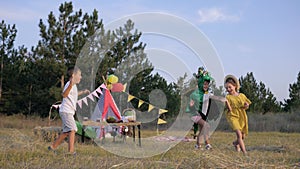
[195,108]
[67,110]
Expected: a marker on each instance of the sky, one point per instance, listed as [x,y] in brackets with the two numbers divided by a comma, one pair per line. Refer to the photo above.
[256,36]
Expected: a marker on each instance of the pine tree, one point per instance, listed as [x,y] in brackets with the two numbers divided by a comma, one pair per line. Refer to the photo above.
[249,87]
[8,34]
[263,101]
[267,101]
[61,42]
[293,103]
[65,36]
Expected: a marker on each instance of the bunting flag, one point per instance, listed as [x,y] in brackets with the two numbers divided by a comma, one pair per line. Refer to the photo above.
[103,86]
[124,89]
[99,90]
[161,121]
[85,101]
[79,102]
[94,93]
[130,97]
[90,96]
[162,111]
[140,103]
[56,106]
[150,107]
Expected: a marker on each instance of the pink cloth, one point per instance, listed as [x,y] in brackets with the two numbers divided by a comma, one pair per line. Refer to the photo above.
[196,119]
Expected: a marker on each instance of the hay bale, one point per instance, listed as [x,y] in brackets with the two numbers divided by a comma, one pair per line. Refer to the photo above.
[47,134]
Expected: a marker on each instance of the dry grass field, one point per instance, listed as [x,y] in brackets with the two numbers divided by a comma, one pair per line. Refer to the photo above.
[21,148]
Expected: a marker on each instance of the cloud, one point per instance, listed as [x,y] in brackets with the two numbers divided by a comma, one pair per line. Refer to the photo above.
[216,15]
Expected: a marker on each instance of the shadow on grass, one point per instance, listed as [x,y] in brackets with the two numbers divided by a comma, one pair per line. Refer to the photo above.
[277,149]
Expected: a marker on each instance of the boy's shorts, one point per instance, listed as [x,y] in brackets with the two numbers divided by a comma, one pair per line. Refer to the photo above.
[68,122]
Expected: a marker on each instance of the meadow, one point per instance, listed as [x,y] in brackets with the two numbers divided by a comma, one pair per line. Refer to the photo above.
[21,148]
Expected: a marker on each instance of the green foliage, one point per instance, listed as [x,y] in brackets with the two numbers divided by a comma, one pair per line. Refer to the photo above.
[293,103]
[62,40]
[263,101]
[123,45]
[7,37]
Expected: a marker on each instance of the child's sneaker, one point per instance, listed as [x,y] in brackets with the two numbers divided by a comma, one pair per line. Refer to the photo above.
[197,147]
[208,147]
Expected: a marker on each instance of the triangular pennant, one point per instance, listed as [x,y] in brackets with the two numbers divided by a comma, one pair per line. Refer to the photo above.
[130,97]
[162,111]
[125,85]
[140,103]
[94,93]
[79,102]
[99,90]
[150,107]
[161,121]
[91,97]
[85,100]
[103,86]
[56,106]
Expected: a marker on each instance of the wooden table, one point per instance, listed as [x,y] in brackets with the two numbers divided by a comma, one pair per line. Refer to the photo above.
[103,124]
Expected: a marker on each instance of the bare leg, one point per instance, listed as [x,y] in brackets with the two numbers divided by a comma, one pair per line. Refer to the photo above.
[204,132]
[71,141]
[240,141]
[59,140]
[206,128]
[199,137]
[236,145]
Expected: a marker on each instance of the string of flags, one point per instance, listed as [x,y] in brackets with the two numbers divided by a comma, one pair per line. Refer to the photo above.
[150,106]
[98,91]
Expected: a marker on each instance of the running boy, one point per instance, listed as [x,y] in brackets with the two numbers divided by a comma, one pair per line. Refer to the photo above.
[195,108]
[67,110]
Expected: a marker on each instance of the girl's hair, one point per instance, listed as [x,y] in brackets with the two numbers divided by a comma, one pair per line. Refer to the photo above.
[231,81]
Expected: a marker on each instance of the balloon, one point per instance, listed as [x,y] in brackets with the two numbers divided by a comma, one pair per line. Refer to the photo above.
[112,79]
[117,87]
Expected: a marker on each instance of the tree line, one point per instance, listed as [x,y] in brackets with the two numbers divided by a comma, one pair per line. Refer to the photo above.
[31,80]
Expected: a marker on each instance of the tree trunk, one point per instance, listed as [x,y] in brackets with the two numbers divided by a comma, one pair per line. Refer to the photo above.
[1,77]
[62,81]
[30,102]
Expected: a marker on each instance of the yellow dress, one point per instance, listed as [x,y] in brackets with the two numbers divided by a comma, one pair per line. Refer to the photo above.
[237,118]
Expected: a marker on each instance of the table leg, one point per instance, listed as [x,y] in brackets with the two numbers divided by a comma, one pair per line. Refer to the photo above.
[103,134]
[82,134]
[139,134]
[133,133]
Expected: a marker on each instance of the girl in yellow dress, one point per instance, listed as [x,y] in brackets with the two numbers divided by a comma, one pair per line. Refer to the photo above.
[237,104]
